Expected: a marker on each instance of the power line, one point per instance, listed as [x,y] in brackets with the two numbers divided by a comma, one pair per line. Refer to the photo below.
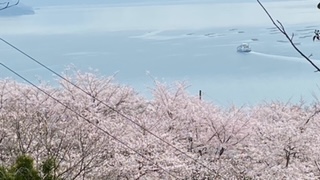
[113,109]
[84,118]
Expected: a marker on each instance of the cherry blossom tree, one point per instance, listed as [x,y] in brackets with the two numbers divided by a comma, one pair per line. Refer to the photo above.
[290,132]
[92,127]
[174,134]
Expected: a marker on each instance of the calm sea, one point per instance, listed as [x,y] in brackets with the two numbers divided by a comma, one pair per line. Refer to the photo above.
[169,43]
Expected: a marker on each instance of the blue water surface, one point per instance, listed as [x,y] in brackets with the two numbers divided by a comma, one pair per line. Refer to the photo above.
[205,58]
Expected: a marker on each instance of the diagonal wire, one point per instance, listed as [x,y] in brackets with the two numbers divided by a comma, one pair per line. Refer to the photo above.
[113,109]
[86,119]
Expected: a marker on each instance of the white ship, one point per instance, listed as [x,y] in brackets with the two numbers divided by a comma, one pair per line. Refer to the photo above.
[244,47]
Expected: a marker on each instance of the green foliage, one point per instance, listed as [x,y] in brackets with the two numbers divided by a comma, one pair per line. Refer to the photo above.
[24,169]
[5,175]
[48,169]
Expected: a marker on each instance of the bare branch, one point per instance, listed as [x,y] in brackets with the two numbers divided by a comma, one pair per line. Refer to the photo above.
[292,35]
[7,5]
[281,28]
[317,165]
[312,116]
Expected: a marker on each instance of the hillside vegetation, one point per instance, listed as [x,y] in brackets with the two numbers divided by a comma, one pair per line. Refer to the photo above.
[192,138]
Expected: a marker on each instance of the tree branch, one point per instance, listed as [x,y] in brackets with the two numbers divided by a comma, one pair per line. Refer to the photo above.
[7,5]
[281,28]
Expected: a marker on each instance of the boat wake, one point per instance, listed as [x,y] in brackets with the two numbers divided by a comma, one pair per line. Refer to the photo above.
[284,58]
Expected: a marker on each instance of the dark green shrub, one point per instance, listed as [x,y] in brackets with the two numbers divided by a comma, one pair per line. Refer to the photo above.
[23,169]
[48,169]
[5,175]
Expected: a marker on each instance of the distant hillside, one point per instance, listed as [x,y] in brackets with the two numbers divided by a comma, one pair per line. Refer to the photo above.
[17,10]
